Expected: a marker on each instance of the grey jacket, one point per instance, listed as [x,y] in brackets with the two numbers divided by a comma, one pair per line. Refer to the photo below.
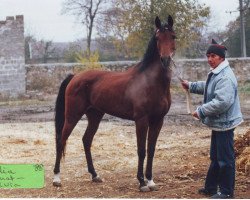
[220,110]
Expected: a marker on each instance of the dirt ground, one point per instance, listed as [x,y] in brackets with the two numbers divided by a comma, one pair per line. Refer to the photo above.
[180,164]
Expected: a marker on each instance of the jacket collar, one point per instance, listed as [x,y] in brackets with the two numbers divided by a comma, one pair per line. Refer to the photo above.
[220,67]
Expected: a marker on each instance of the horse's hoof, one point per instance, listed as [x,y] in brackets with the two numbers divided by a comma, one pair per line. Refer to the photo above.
[144,189]
[97,179]
[154,188]
[57,184]
[57,180]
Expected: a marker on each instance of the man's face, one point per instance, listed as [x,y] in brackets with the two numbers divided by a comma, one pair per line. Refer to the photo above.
[214,60]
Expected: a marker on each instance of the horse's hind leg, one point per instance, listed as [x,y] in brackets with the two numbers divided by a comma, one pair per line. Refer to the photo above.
[75,109]
[94,118]
[57,180]
[67,129]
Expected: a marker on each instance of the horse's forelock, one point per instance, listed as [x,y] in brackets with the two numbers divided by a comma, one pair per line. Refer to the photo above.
[168,27]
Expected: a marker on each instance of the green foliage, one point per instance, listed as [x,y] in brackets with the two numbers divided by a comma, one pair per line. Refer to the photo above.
[70,56]
[89,61]
[109,49]
[244,90]
[70,53]
[133,21]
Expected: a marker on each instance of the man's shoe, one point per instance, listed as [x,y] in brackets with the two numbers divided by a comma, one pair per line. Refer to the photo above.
[205,192]
[221,196]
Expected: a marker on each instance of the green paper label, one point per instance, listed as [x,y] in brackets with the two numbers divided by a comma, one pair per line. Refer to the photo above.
[21,176]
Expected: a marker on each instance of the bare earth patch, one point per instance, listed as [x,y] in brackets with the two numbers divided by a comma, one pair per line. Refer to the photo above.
[180,164]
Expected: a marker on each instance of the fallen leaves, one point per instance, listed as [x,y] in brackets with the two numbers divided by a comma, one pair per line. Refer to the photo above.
[242,153]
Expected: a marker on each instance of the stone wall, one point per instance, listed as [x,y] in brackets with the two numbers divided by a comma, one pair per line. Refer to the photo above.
[197,69]
[48,77]
[12,59]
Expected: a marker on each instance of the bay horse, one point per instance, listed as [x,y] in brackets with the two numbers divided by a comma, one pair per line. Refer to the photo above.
[141,94]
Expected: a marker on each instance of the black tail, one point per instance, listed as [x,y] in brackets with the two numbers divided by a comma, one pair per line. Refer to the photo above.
[59,113]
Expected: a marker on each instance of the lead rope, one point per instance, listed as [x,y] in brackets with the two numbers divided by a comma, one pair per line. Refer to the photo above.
[188,96]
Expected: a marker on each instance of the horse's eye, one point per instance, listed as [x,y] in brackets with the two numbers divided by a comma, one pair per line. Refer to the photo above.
[174,37]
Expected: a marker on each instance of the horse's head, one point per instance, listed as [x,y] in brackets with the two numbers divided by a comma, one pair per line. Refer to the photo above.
[165,37]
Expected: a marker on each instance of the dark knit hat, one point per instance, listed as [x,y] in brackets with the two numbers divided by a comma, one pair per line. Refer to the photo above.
[217,49]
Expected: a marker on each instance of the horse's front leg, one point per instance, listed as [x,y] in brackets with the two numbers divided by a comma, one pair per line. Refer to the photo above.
[141,134]
[155,126]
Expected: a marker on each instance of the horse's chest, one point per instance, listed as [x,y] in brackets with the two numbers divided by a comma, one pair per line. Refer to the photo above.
[162,105]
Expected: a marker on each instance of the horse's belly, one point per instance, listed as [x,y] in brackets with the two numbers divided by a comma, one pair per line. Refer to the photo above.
[113,105]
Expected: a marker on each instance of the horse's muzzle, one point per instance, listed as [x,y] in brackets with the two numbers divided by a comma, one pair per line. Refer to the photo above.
[165,61]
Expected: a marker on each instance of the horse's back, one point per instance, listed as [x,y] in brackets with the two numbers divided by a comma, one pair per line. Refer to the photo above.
[99,79]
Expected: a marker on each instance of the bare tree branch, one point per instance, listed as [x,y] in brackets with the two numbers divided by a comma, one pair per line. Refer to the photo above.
[85,12]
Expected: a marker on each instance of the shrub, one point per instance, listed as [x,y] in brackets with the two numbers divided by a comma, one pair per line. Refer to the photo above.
[89,61]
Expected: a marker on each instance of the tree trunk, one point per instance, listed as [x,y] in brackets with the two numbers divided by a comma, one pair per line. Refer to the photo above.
[90,35]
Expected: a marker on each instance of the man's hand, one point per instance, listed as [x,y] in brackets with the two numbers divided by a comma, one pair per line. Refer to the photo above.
[185,84]
[195,115]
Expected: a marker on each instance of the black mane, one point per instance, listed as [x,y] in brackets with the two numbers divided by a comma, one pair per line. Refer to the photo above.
[149,54]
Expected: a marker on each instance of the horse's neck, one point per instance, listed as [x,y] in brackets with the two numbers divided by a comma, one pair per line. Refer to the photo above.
[158,73]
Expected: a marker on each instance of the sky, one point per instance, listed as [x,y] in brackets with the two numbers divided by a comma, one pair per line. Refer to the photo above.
[43,18]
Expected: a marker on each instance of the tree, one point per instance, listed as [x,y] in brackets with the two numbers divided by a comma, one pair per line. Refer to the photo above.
[133,21]
[40,51]
[71,52]
[231,36]
[86,12]
[108,46]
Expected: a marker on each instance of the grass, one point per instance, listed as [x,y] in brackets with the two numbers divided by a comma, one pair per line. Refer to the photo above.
[244,90]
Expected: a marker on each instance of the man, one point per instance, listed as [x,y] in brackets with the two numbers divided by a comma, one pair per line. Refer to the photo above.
[221,112]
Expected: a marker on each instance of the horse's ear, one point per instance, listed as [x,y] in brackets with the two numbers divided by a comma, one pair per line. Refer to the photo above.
[214,42]
[170,21]
[157,22]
